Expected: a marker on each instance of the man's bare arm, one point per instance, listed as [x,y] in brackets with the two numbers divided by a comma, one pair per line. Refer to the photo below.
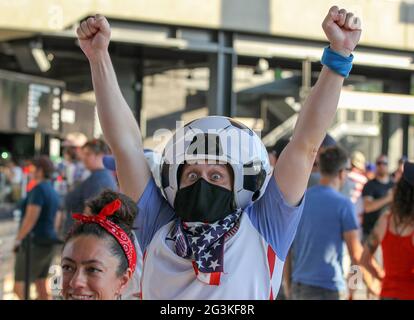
[354,246]
[293,169]
[355,250]
[371,205]
[371,245]
[118,124]
[30,218]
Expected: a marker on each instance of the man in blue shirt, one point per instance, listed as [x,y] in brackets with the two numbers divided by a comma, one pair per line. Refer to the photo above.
[99,179]
[39,214]
[328,220]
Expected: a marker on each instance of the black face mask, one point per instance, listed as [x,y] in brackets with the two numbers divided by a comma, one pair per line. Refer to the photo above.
[203,202]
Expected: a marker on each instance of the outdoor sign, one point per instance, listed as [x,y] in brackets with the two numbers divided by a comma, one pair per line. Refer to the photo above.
[30,104]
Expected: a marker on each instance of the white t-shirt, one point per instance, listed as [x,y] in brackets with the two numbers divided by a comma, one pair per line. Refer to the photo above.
[17,175]
[253,257]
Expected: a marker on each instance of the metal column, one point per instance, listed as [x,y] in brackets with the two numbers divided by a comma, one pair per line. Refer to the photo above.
[395,127]
[306,80]
[130,78]
[221,97]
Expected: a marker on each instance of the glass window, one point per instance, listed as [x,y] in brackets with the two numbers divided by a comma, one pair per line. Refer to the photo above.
[351,115]
[368,116]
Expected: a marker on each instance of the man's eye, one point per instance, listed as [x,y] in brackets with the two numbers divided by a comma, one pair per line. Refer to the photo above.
[192,176]
[216,176]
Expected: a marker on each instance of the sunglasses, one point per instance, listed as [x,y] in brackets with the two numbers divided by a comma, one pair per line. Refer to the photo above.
[385,163]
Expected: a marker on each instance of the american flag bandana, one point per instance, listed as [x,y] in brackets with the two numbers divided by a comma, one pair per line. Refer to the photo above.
[204,244]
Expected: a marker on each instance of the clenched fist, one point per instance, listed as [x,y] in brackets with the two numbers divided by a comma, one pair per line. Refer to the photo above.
[343,30]
[94,35]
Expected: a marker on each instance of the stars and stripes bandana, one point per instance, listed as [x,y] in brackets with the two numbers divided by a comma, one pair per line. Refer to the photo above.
[204,244]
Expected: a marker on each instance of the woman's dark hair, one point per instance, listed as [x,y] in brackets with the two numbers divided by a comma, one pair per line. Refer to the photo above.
[125,215]
[124,218]
[403,204]
[97,146]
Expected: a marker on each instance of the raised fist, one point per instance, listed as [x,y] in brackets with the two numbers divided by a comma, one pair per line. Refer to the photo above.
[342,29]
[94,35]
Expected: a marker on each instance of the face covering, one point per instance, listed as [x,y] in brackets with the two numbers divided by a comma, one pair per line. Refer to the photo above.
[203,243]
[203,202]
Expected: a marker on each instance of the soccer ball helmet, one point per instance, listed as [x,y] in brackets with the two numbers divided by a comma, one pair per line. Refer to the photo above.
[218,139]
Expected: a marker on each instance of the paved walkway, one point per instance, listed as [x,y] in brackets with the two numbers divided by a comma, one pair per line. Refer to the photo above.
[8,230]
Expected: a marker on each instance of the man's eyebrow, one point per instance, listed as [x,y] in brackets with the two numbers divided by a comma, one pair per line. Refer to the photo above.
[197,166]
[219,166]
[188,167]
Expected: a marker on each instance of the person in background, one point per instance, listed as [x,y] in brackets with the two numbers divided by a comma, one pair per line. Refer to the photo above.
[377,195]
[4,189]
[100,178]
[397,174]
[38,222]
[355,183]
[315,176]
[28,172]
[328,221]
[15,176]
[394,232]
[353,190]
[370,171]
[357,174]
[70,173]
[275,151]
[153,159]
[74,168]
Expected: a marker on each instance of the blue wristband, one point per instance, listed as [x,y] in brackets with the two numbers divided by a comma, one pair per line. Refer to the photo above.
[336,62]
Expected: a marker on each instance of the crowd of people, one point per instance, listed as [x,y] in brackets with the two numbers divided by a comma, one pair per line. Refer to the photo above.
[47,194]
[220,219]
[344,205]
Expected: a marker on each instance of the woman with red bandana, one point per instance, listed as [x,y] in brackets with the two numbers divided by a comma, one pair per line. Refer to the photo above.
[99,256]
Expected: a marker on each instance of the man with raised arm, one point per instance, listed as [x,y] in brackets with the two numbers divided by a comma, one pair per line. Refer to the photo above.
[222,222]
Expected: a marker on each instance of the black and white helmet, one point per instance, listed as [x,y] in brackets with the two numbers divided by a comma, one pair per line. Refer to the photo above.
[217,138]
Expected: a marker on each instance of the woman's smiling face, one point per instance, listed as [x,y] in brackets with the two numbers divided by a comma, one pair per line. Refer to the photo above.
[90,270]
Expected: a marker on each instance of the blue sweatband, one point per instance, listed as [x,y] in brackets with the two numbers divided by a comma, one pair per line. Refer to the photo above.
[336,62]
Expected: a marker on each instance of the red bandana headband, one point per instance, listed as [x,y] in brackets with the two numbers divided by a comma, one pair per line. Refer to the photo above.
[113,229]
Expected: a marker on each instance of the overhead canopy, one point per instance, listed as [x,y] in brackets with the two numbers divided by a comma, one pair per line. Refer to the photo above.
[352,100]
[288,87]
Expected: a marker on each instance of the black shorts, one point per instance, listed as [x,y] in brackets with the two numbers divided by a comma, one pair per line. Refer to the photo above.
[41,258]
